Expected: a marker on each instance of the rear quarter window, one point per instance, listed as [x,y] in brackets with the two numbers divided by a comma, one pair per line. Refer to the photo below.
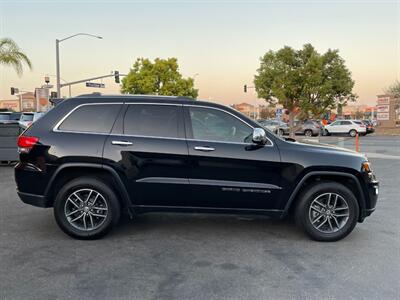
[95,118]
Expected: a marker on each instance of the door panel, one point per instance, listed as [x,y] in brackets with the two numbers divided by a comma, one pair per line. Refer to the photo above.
[151,155]
[229,174]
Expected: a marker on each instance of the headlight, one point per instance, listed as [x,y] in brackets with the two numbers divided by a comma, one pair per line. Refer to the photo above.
[366,167]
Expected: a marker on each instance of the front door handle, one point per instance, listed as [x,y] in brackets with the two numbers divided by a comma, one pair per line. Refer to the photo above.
[204,149]
[121,143]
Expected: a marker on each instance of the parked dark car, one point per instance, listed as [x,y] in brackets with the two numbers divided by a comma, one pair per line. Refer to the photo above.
[92,158]
[369,126]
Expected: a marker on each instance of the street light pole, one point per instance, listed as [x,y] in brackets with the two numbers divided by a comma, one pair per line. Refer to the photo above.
[58,58]
[58,68]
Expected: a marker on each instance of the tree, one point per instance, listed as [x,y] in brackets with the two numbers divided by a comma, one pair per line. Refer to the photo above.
[159,78]
[303,81]
[394,89]
[11,55]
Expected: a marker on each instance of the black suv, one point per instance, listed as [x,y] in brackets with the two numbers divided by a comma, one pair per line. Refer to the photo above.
[93,157]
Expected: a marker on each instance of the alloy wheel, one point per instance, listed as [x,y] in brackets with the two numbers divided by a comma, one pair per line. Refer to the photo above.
[329,212]
[86,209]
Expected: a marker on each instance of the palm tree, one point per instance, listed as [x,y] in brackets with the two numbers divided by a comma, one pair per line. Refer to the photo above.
[11,55]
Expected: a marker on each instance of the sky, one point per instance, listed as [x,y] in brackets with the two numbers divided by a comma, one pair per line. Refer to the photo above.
[218,42]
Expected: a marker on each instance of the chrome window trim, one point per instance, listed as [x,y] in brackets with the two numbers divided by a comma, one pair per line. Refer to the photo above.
[225,111]
[56,127]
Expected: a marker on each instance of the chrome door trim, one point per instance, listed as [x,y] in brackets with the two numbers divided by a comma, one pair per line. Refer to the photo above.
[204,148]
[121,143]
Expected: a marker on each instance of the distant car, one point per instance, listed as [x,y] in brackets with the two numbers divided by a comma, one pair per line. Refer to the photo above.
[27,118]
[276,126]
[309,127]
[351,127]
[369,125]
[7,117]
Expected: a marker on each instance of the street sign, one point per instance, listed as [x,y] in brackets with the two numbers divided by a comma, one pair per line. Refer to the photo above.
[382,116]
[42,99]
[95,84]
[384,101]
[382,108]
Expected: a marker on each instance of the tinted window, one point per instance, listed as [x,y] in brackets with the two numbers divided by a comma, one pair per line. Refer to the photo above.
[91,118]
[345,123]
[152,120]
[26,117]
[215,125]
[15,116]
[4,117]
[358,122]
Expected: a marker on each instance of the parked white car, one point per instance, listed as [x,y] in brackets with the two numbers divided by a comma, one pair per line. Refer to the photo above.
[350,127]
[27,118]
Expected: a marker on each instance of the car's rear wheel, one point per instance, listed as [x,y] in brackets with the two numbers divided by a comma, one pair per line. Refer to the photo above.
[353,133]
[308,132]
[86,208]
[327,211]
[281,132]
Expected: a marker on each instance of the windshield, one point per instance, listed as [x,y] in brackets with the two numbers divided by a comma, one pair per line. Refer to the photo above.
[26,117]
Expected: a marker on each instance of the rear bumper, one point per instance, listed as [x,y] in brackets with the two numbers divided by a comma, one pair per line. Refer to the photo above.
[35,200]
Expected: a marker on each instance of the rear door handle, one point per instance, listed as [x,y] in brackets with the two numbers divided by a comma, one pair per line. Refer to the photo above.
[122,143]
[204,149]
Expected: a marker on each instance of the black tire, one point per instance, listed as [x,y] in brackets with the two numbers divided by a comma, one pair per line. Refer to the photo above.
[303,211]
[308,133]
[105,224]
[353,133]
[281,132]
[327,133]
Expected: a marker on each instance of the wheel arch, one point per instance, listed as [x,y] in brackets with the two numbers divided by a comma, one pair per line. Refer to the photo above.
[347,179]
[68,171]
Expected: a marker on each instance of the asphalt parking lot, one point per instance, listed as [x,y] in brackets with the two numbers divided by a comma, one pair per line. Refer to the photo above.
[176,256]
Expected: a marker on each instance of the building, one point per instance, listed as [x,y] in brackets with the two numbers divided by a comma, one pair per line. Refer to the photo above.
[245,108]
[28,102]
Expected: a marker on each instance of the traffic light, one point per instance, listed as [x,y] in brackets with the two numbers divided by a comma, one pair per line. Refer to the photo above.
[53,95]
[245,88]
[12,91]
[116,76]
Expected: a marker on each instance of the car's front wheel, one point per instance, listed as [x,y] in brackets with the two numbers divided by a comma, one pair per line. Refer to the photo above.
[327,211]
[86,208]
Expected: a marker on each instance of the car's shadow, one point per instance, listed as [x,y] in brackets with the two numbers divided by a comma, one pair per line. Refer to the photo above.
[209,225]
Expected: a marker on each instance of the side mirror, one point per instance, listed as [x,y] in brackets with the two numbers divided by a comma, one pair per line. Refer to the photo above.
[259,136]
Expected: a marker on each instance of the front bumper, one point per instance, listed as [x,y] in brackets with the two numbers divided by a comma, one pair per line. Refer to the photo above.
[372,190]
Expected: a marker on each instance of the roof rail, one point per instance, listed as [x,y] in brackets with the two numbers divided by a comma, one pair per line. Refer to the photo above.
[94,94]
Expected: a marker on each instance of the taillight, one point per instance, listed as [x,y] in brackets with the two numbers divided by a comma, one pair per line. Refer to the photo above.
[25,143]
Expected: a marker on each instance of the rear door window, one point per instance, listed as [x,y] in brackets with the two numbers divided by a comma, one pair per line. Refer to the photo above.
[96,118]
[152,120]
